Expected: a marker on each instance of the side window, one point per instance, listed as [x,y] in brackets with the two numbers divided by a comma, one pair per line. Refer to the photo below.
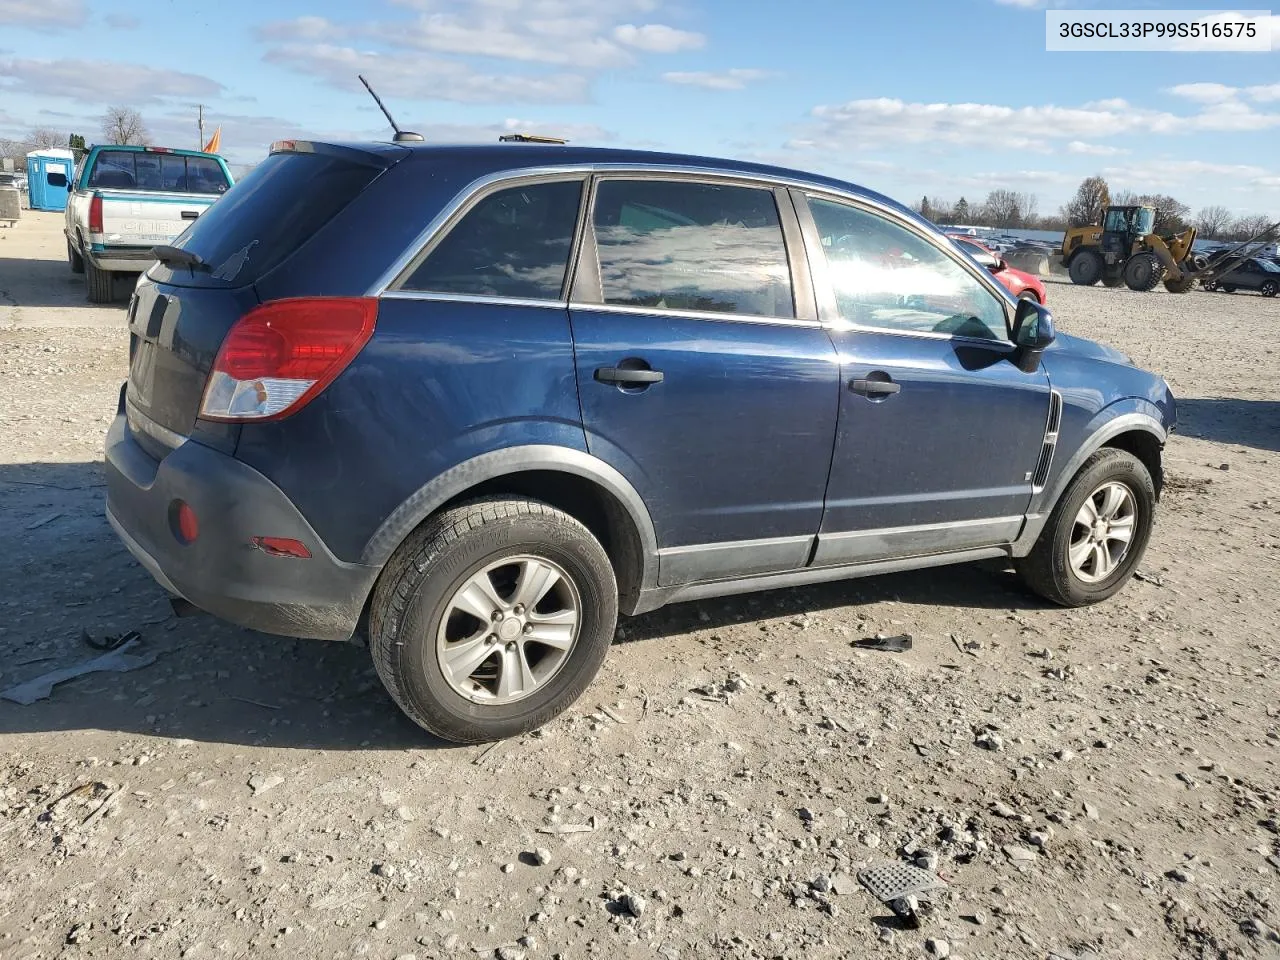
[887,277]
[683,245]
[205,175]
[512,243]
[173,172]
[113,168]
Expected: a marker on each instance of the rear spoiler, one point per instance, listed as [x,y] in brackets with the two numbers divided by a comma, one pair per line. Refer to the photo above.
[380,155]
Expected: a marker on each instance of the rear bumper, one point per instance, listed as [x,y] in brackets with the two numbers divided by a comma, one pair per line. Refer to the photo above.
[122,259]
[221,572]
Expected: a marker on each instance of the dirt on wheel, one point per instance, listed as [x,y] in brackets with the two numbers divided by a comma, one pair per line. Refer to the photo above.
[1101,782]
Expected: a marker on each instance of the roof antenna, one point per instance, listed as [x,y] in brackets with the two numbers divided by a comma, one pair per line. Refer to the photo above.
[402,136]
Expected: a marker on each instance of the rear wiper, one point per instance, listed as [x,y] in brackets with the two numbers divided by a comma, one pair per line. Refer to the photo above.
[176,255]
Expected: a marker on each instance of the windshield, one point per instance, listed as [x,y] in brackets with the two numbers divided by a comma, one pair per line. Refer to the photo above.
[138,170]
[1268,265]
[1144,220]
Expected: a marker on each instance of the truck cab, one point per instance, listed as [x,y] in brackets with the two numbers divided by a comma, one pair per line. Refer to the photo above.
[127,200]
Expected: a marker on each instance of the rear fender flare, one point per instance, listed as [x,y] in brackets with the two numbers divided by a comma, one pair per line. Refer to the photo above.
[1124,416]
[458,479]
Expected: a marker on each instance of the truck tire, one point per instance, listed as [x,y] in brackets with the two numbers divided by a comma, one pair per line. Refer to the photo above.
[1080,557]
[492,618]
[97,282]
[1085,268]
[74,258]
[1143,272]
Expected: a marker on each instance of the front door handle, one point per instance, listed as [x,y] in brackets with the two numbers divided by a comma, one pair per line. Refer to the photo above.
[621,375]
[875,388]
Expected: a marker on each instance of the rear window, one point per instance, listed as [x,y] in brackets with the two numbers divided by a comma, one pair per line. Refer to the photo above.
[135,170]
[272,211]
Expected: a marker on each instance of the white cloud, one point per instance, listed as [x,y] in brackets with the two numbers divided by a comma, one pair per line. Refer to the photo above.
[734,79]
[122,21]
[424,77]
[1205,92]
[303,28]
[46,15]
[658,38]
[1093,149]
[577,36]
[1222,93]
[887,121]
[100,81]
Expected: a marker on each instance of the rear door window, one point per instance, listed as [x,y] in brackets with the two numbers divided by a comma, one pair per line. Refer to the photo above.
[513,243]
[690,246]
[142,170]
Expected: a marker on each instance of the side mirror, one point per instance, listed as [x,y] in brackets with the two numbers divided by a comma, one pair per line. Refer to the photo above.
[1032,334]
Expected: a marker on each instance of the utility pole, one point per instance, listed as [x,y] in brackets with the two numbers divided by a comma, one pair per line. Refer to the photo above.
[200,124]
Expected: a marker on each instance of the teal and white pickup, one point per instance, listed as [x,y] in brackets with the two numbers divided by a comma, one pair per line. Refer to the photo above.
[127,200]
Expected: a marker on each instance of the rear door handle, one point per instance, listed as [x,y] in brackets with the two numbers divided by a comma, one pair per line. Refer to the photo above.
[874,388]
[620,375]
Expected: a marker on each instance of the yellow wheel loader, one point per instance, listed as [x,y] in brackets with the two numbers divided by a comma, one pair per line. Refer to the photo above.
[1125,250]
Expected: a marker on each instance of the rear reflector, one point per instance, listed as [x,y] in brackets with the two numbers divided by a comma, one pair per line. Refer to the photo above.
[183,522]
[282,547]
[280,355]
[95,214]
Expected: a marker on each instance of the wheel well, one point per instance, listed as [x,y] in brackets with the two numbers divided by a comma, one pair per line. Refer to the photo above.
[588,503]
[1146,447]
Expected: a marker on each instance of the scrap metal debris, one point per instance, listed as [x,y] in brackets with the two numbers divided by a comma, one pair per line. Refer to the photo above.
[117,661]
[898,644]
[109,642]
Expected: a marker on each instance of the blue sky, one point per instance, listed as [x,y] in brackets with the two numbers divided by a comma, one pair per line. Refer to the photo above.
[944,98]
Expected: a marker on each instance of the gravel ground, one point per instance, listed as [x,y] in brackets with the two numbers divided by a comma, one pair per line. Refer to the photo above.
[1091,783]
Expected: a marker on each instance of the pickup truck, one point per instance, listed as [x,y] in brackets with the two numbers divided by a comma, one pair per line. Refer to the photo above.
[127,200]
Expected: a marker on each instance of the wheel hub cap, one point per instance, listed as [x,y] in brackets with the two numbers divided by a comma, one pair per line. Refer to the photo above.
[508,629]
[1102,532]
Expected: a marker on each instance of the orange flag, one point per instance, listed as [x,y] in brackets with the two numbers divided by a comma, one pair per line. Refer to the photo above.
[215,142]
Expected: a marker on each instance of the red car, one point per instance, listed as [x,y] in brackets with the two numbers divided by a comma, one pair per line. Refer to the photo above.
[1024,286]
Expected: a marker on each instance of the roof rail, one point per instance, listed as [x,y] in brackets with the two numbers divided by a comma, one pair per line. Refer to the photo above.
[528,138]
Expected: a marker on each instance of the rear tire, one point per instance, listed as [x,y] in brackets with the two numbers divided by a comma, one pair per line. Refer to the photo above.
[1086,268]
[1269,288]
[1143,272]
[98,283]
[421,611]
[1048,569]
[74,258]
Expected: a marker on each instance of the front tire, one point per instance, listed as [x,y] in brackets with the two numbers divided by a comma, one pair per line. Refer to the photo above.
[1097,533]
[492,618]
[97,283]
[1143,272]
[1269,289]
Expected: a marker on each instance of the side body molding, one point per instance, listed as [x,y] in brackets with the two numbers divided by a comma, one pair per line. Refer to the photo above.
[488,466]
[1125,416]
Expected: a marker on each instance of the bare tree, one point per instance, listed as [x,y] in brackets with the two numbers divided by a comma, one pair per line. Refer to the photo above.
[1088,205]
[1246,228]
[1006,208]
[1212,222]
[42,138]
[124,125]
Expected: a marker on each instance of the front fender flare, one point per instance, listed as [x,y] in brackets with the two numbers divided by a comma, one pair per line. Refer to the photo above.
[487,466]
[1124,416]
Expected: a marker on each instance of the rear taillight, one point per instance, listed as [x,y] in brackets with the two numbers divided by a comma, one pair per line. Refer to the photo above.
[95,214]
[282,354]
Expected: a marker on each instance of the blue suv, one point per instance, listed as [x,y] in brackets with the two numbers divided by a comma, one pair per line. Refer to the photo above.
[471,403]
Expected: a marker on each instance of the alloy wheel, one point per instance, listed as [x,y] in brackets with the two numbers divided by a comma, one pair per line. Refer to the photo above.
[1103,529]
[508,630]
